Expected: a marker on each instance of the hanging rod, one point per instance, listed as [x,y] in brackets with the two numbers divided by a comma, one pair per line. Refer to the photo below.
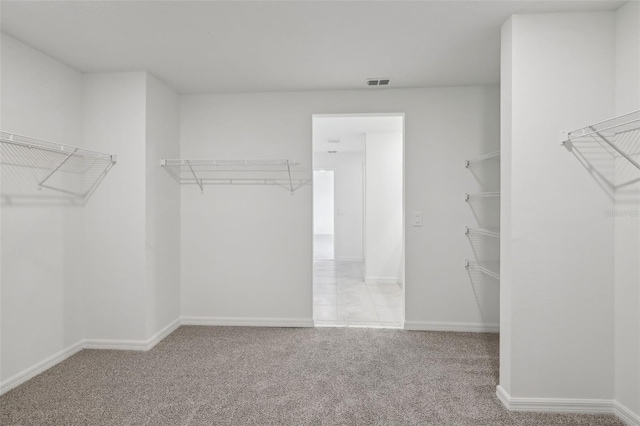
[33,164]
[485,232]
[282,173]
[607,131]
[489,156]
[468,197]
[477,267]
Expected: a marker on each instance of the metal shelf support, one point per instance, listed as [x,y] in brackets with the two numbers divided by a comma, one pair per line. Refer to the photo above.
[489,156]
[477,267]
[468,197]
[485,232]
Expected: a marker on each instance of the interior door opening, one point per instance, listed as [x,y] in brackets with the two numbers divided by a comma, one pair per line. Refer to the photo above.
[358,223]
[323,224]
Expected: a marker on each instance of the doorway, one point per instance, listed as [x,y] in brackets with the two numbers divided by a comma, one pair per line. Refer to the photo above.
[323,209]
[358,225]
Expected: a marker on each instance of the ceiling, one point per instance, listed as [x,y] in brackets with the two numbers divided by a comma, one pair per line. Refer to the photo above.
[241,46]
[350,131]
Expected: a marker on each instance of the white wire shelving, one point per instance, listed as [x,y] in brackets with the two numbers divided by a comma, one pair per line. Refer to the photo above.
[34,169]
[487,268]
[283,173]
[616,132]
[469,197]
[480,248]
[479,231]
[490,156]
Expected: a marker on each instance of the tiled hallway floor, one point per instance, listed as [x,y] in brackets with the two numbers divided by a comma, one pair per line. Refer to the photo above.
[341,297]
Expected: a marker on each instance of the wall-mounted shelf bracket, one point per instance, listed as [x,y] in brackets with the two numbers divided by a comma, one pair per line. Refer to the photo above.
[489,156]
[469,197]
[282,173]
[484,269]
[485,232]
[622,128]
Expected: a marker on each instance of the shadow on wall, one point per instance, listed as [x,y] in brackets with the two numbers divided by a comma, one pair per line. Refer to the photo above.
[486,211]
[487,174]
[485,290]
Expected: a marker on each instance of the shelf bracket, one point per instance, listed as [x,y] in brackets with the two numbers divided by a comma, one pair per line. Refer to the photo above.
[290,180]
[51,173]
[198,181]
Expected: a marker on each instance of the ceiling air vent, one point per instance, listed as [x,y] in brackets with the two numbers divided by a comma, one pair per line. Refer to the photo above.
[377,82]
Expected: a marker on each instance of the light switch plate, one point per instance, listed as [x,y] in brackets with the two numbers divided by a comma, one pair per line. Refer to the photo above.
[416,219]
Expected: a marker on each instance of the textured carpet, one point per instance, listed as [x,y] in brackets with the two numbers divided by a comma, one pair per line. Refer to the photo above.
[273,376]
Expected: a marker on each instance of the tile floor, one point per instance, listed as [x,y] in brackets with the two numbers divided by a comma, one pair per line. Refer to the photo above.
[341,297]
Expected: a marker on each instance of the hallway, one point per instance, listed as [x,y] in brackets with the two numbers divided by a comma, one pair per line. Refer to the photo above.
[341,297]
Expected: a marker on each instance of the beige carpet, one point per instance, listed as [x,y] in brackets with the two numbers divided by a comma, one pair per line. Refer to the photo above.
[279,376]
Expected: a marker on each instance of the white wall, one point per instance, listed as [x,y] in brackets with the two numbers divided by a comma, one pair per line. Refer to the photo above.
[557,297]
[132,225]
[323,202]
[383,208]
[247,251]
[349,208]
[107,271]
[41,245]
[627,228]
[506,143]
[162,207]
[115,232]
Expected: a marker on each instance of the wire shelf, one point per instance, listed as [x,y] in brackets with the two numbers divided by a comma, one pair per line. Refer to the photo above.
[34,169]
[487,268]
[468,197]
[485,157]
[284,173]
[622,128]
[485,232]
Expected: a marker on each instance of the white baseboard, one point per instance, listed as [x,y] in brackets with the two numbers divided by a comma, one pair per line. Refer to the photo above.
[29,373]
[115,344]
[383,280]
[167,330]
[451,326]
[133,345]
[248,321]
[627,416]
[566,405]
